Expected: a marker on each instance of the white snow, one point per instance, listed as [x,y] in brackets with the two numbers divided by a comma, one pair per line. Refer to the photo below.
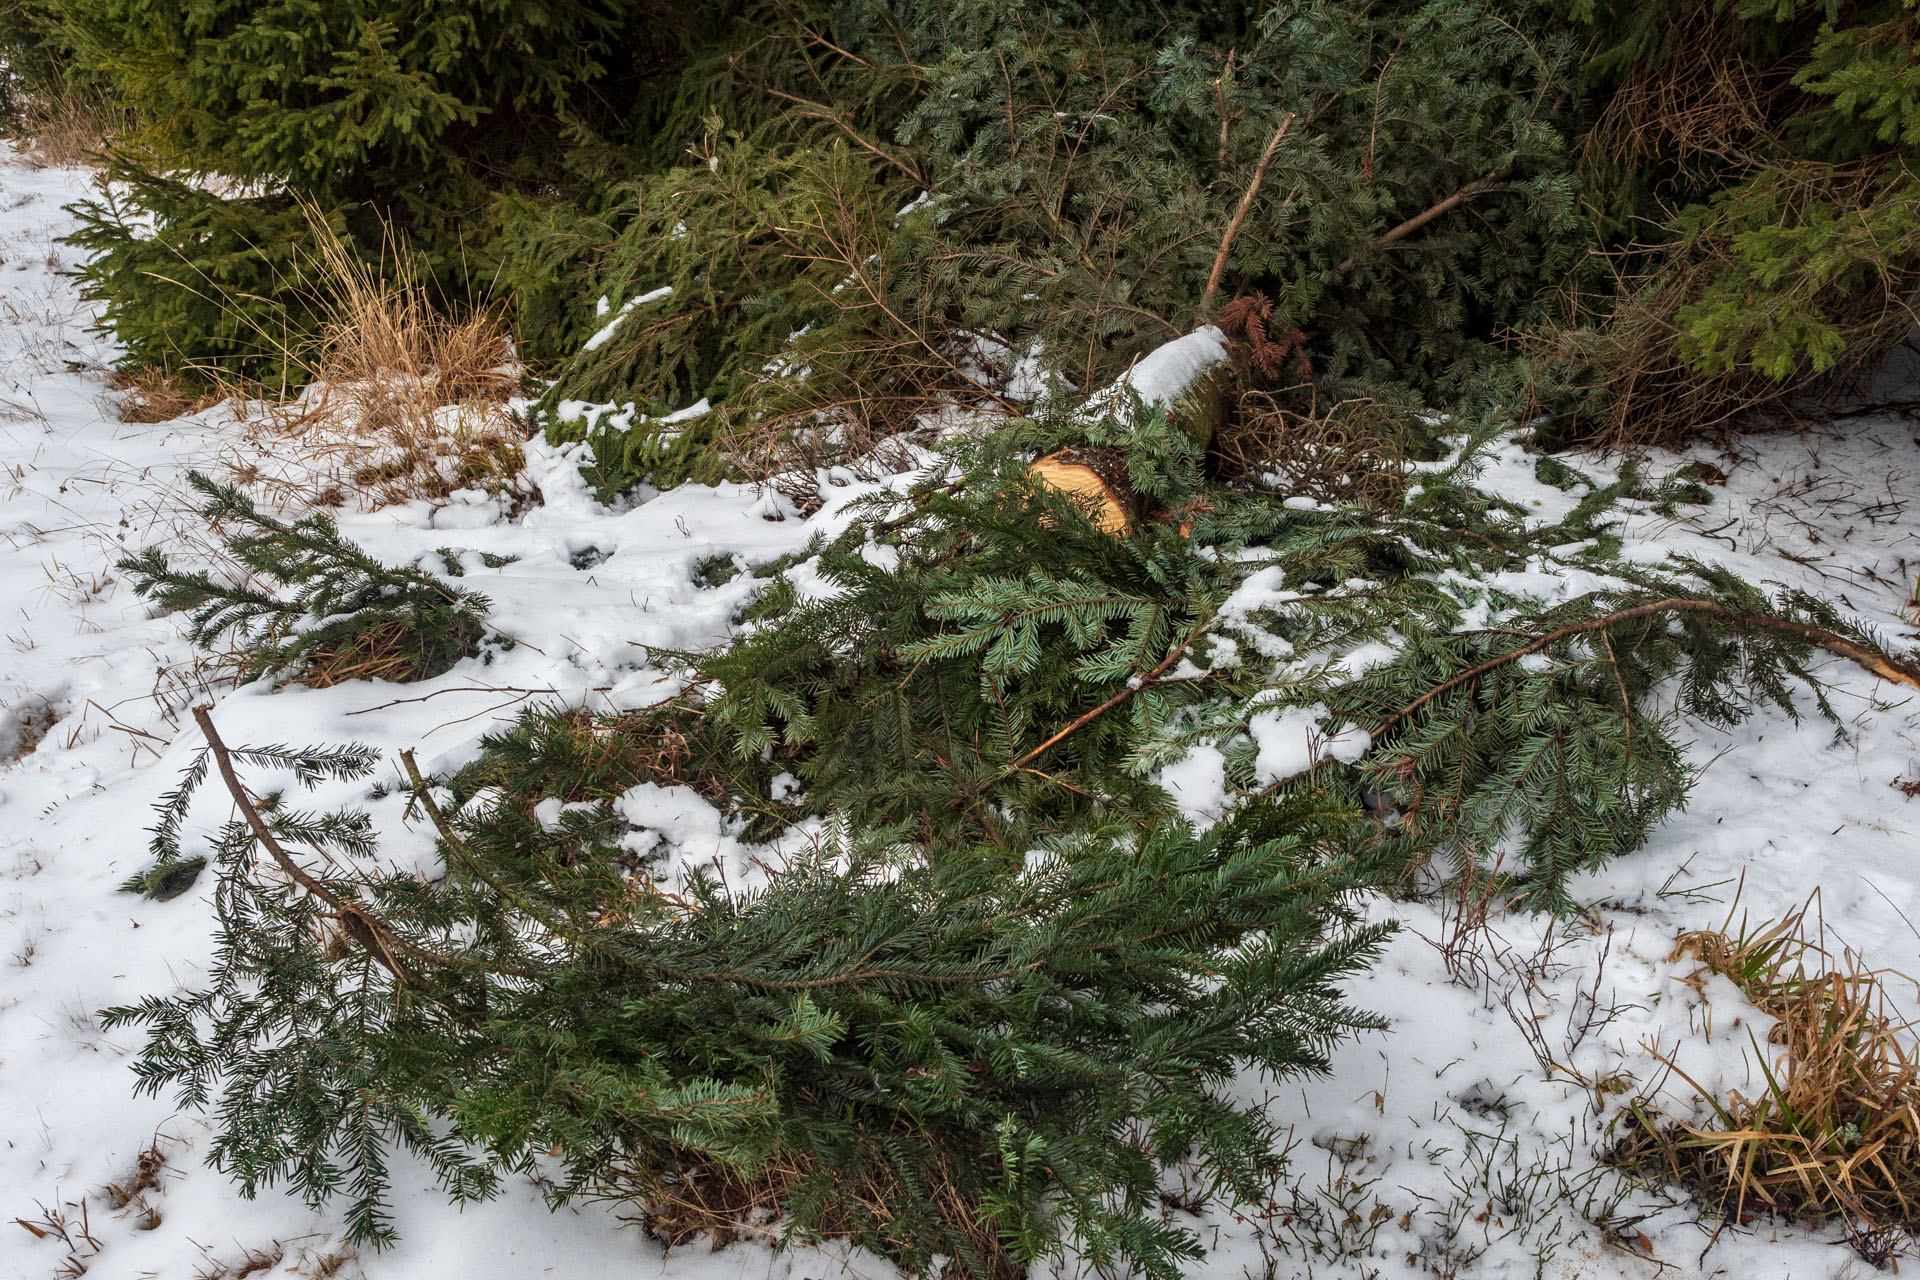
[1198,782]
[1293,740]
[1457,1150]
[1163,375]
[606,331]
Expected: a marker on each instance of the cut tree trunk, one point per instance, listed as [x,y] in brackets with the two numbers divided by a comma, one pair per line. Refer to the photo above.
[1097,478]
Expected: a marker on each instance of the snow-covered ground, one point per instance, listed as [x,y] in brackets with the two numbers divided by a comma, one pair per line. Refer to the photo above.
[1443,1147]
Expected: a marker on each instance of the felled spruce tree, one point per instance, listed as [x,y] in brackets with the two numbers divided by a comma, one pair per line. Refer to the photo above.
[943,1059]
[992,664]
[310,605]
[1535,741]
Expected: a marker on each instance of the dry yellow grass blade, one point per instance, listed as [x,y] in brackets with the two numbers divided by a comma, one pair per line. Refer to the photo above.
[1834,1135]
[69,129]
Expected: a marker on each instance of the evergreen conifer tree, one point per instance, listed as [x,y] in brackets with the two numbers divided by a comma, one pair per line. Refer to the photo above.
[35,64]
[406,121]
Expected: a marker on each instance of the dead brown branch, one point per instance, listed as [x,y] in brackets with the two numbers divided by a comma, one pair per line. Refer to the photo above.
[1421,219]
[1240,213]
[366,930]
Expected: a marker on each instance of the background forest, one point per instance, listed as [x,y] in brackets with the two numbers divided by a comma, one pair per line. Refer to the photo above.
[1640,220]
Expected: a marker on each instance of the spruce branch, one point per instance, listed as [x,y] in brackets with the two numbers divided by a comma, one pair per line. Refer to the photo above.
[819,111]
[458,848]
[333,612]
[367,930]
[1887,667]
[1131,688]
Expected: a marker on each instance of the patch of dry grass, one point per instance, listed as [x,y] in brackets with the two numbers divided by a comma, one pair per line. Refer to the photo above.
[128,1196]
[68,129]
[21,733]
[251,1262]
[1832,1136]
[686,1201]
[404,401]
[160,395]
[1352,451]
[144,1177]
[68,1226]
[324,1264]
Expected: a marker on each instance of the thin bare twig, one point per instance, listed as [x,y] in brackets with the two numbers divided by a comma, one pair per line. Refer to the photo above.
[1240,214]
[1433,211]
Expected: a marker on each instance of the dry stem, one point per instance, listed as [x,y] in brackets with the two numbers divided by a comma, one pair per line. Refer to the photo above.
[1240,213]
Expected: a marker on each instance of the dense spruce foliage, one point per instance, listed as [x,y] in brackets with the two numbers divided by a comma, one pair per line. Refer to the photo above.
[931,1055]
[980,663]
[827,218]
[32,65]
[977,185]
[386,120]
